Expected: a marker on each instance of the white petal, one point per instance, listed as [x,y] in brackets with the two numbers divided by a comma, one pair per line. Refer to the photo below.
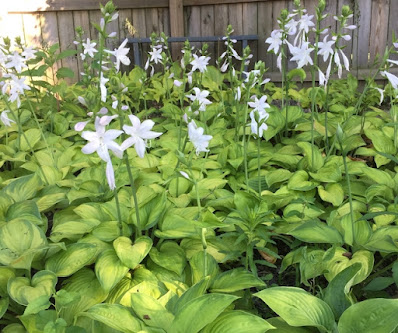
[110,175]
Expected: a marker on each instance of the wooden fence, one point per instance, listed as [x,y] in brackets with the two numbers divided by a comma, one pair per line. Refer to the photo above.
[50,21]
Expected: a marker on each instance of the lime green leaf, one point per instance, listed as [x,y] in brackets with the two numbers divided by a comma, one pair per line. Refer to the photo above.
[317,232]
[33,135]
[340,261]
[283,327]
[151,311]
[312,155]
[169,256]
[197,264]
[379,176]
[3,306]
[20,242]
[132,254]
[24,291]
[333,193]
[75,257]
[23,188]
[115,316]
[40,303]
[298,308]
[200,312]
[238,322]
[330,173]
[299,182]
[198,289]
[336,293]
[109,269]
[6,273]
[36,323]
[234,280]
[65,72]
[376,315]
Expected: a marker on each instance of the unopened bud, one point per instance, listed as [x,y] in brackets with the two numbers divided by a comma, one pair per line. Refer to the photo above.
[297,3]
[284,14]
[321,5]
[346,11]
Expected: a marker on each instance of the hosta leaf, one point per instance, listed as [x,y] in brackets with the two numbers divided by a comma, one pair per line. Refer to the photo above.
[6,273]
[198,289]
[33,135]
[151,311]
[20,242]
[330,173]
[3,306]
[75,257]
[114,315]
[24,291]
[72,229]
[317,232]
[109,269]
[23,188]
[40,303]
[200,312]
[197,264]
[298,308]
[85,284]
[384,239]
[238,322]
[376,315]
[379,177]
[299,182]
[336,293]
[332,193]
[170,256]
[277,176]
[234,280]
[312,155]
[36,323]
[339,262]
[132,254]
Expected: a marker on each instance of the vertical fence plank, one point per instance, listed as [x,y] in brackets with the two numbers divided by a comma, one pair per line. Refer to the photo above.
[264,28]
[176,11]
[66,39]
[12,27]
[277,7]
[378,33]
[112,43]
[152,21]
[139,22]
[393,25]
[95,17]
[220,27]
[81,19]
[123,33]
[207,26]
[235,17]
[49,32]
[362,34]
[250,27]
[32,30]
[194,23]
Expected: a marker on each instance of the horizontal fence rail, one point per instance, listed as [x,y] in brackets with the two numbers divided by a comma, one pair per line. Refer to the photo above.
[51,21]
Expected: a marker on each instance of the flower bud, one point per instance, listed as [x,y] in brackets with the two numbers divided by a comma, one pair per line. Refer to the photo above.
[284,14]
[339,133]
[346,11]
[321,5]
[91,98]
[297,3]
[115,83]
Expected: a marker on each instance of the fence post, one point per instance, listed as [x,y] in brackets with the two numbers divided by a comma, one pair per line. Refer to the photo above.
[176,13]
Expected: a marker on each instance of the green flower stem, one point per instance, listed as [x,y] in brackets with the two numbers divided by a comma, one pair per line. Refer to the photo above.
[203,231]
[258,162]
[119,215]
[347,177]
[21,132]
[326,119]
[244,139]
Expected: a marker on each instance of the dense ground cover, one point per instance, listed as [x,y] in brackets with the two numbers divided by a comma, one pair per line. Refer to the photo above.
[185,197]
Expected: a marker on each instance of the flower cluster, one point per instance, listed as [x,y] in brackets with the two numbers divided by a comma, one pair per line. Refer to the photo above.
[258,115]
[102,140]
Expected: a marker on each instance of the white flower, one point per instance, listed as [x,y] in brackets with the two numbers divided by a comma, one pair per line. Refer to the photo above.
[301,54]
[275,41]
[156,54]
[184,174]
[5,120]
[305,23]
[177,83]
[381,92]
[391,78]
[325,48]
[103,81]
[224,66]
[81,125]
[16,61]
[16,87]
[200,96]
[121,55]
[199,63]
[89,48]
[101,141]
[139,133]
[112,34]
[259,104]
[262,116]
[291,26]
[28,52]
[199,141]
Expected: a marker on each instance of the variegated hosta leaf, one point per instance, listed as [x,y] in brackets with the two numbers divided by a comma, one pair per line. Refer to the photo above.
[21,241]
[76,256]
[24,291]
[109,269]
[132,254]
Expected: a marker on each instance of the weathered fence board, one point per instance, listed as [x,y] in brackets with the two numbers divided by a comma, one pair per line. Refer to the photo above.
[52,21]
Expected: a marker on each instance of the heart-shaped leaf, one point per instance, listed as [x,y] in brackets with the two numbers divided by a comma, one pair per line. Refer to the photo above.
[132,254]
[170,256]
[24,291]
[109,269]
[234,280]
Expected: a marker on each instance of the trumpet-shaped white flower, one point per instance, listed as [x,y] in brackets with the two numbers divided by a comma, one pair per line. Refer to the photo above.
[28,52]
[17,61]
[258,124]
[156,54]
[259,105]
[301,54]
[103,89]
[198,139]
[325,48]
[199,63]
[15,87]
[139,134]
[200,96]
[89,48]
[391,78]
[275,41]
[5,120]
[121,55]
[101,141]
